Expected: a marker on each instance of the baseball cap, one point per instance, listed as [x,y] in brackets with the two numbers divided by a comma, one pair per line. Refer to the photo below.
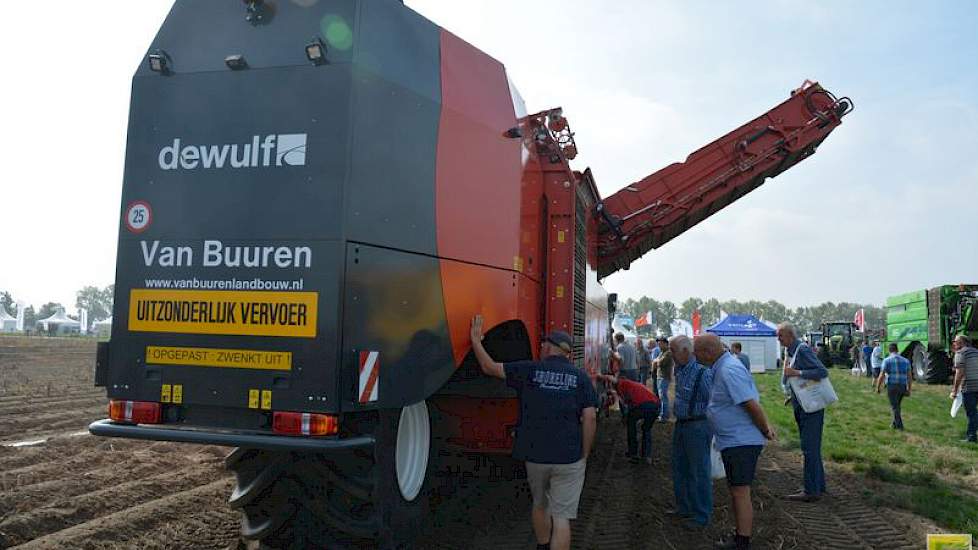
[561,339]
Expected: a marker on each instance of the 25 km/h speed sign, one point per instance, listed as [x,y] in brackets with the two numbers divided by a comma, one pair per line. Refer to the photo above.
[138,216]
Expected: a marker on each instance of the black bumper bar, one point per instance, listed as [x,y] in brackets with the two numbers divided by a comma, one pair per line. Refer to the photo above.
[108,428]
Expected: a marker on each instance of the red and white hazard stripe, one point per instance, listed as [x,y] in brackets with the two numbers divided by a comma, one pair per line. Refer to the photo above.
[369,374]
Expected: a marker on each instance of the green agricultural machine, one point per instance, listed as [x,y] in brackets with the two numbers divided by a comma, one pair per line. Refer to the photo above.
[923,324]
[837,339]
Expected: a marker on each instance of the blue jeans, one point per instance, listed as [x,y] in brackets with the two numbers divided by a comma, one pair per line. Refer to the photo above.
[663,386]
[969,400]
[646,413]
[810,428]
[691,481]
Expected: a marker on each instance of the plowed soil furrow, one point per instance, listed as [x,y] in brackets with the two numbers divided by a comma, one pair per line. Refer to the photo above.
[121,527]
[65,512]
[24,426]
[33,487]
[60,449]
[60,404]
[214,528]
[60,394]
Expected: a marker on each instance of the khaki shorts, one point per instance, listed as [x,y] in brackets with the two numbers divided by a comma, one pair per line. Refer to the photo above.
[557,487]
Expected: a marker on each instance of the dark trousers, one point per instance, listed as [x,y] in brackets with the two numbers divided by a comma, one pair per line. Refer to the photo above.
[691,481]
[896,393]
[969,400]
[810,428]
[643,374]
[647,413]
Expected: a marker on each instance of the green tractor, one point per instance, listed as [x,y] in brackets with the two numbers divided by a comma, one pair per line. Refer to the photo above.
[837,340]
[923,324]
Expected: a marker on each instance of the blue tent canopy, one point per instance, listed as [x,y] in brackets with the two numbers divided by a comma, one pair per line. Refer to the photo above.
[741,325]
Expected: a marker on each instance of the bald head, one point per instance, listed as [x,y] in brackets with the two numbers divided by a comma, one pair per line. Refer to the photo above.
[708,348]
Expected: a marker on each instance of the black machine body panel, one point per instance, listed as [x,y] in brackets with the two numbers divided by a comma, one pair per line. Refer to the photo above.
[247,192]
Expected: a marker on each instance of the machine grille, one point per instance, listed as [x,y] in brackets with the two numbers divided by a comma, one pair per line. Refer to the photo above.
[580,280]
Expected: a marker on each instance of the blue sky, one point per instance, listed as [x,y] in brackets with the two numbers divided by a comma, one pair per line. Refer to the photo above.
[871,214]
[886,205]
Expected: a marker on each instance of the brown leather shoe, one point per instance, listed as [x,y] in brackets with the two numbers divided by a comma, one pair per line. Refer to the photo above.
[802,497]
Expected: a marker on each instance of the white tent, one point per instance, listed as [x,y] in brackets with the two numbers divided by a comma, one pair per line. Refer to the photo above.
[59,324]
[8,323]
[758,339]
[681,326]
[102,328]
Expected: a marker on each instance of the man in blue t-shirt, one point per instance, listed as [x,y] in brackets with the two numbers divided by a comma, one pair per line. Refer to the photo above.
[740,426]
[555,430]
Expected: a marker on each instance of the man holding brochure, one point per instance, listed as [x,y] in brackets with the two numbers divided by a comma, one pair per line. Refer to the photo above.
[803,363]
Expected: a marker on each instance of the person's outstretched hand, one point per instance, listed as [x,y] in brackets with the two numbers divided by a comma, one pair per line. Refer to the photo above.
[475,332]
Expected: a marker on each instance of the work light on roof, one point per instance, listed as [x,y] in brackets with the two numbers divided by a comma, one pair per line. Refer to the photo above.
[236,62]
[316,51]
[159,62]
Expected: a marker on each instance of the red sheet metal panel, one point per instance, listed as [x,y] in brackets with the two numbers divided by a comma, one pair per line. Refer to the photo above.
[651,212]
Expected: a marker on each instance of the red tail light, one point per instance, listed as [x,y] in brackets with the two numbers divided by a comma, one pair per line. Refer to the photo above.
[296,423]
[134,412]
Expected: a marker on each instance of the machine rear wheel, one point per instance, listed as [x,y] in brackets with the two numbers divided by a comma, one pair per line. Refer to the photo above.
[929,366]
[938,368]
[305,500]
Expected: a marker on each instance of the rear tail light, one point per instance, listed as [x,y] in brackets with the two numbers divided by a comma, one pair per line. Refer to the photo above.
[134,412]
[297,423]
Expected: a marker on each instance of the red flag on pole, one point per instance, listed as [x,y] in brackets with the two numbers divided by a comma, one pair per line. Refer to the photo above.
[644,320]
[696,322]
[860,320]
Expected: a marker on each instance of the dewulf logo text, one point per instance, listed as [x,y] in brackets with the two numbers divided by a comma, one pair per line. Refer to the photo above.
[270,150]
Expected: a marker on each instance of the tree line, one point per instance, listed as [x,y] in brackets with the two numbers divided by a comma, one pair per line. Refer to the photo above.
[98,302]
[806,318]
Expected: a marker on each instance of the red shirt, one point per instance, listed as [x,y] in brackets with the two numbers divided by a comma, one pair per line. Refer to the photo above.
[634,394]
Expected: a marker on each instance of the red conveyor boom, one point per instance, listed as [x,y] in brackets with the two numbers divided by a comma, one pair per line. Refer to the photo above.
[651,212]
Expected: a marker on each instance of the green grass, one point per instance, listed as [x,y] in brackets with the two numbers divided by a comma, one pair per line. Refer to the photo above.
[924,469]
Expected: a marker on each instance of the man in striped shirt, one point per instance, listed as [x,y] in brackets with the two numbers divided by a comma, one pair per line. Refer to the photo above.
[966,382]
[896,371]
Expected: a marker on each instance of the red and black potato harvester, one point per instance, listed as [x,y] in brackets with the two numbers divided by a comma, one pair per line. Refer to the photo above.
[318,197]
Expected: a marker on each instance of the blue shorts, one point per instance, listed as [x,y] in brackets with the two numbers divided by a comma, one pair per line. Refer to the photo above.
[740,464]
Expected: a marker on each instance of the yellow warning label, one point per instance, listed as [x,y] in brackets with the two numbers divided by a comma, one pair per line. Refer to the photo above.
[178,393]
[165,393]
[252,399]
[213,357]
[560,291]
[948,541]
[266,399]
[290,314]
[560,236]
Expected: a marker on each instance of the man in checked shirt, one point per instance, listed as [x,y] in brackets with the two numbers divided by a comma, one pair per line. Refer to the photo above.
[896,371]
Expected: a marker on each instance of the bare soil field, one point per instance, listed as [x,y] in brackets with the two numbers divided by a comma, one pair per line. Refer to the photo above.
[62,488]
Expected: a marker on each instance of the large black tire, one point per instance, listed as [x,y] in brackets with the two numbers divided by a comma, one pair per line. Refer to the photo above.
[344,499]
[825,357]
[931,367]
[938,370]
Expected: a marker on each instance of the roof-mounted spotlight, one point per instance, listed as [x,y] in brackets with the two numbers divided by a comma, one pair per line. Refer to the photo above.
[159,62]
[236,62]
[316,51]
